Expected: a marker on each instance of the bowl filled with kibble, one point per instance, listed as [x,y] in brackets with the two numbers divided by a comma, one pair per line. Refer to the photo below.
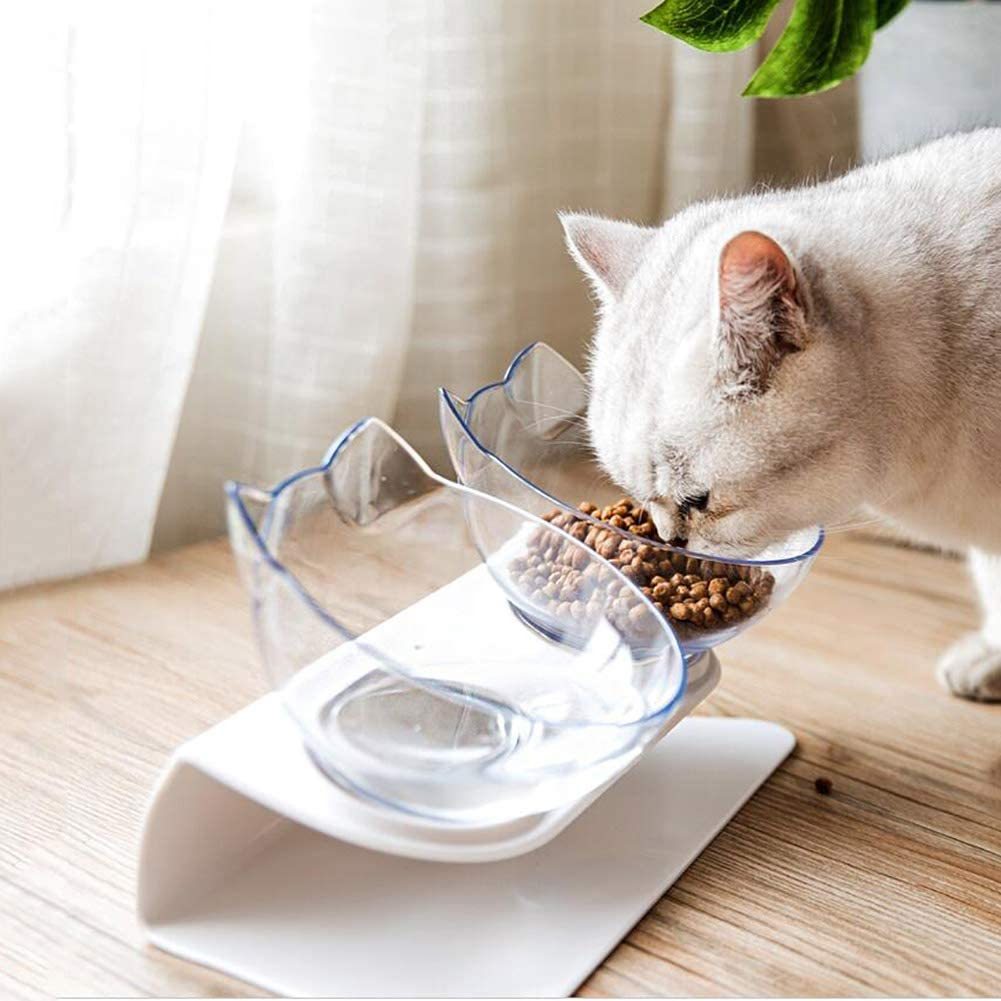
[523,439]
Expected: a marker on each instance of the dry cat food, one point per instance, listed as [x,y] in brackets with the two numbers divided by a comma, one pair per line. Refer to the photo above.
[694,594]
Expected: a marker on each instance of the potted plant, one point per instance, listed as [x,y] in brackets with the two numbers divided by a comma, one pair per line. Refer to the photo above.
[937,71]
[825,41]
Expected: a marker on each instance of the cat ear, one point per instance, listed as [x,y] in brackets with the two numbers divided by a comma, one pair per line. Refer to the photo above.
[608,252]
[761,314]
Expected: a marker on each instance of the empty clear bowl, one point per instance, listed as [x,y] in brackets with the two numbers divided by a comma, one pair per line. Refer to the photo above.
[445,653]
[523,440]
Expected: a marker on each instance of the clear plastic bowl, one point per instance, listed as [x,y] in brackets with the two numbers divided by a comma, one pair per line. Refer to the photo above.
[445,653]
[523,440]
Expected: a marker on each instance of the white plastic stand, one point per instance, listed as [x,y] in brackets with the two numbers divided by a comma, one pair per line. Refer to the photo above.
[255,864]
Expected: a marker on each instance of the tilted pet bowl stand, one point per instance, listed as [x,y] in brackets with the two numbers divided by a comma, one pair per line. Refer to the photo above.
[254,862]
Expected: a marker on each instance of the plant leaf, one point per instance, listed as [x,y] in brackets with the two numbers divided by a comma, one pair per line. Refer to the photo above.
[886,10]
[825,42]
[714,25]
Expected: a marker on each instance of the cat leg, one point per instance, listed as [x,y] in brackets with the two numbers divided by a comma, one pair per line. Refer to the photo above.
[971,667]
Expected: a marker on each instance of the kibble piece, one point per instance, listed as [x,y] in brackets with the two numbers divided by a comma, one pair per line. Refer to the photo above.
[718,585]
[718,602]
[680,611]
[586,507]
[699,590]
[608,548]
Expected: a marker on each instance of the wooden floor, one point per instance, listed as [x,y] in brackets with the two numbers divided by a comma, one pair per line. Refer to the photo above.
[889,885]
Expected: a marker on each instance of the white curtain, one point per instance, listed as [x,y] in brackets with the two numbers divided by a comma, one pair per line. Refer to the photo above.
[236,228]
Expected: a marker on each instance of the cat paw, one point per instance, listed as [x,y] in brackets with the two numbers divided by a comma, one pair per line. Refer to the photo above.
[971,668]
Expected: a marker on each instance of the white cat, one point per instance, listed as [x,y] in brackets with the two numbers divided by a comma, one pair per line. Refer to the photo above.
[779,360]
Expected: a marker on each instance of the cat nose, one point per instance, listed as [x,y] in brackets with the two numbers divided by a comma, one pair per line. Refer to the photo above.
[664,519]
[698,502]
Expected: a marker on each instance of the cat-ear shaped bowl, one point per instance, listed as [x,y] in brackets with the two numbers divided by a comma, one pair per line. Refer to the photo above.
[522,440]
[416,633]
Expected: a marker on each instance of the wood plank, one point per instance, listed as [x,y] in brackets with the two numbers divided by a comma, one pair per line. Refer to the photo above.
[890,885]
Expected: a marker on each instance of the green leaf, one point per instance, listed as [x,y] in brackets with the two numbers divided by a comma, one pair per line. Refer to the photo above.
[887,10]
[715,25]
[825,42]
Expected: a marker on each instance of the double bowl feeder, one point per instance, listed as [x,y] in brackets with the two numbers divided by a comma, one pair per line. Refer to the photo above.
[426,671]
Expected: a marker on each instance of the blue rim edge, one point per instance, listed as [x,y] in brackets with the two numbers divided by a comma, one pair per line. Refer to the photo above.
[445,395]
[232,489]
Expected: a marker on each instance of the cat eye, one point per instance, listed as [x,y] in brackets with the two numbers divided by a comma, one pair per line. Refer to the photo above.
[699,503]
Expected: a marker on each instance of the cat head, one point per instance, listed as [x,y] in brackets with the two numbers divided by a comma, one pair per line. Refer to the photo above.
[719,393]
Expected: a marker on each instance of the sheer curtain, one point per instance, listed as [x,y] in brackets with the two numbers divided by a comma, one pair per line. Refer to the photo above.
[237,228]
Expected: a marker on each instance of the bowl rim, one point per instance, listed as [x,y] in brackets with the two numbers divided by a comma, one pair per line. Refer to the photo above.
[449,398]
[235,490]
